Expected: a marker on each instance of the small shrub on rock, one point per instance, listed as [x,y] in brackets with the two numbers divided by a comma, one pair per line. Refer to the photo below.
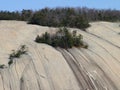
[16,54]
[2,66]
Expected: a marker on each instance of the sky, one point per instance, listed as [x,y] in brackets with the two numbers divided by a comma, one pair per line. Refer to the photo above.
[18,5]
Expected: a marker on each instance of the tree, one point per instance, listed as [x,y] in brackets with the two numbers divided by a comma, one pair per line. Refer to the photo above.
[37,39]
[26,14]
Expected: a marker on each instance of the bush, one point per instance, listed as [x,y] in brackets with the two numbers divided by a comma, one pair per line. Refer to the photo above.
[63,38]
[2,66]
[10,62]
[85,46]
[16,54]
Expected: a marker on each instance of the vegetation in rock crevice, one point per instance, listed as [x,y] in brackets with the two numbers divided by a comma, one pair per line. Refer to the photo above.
[17,53]
[2,66]
[63,38]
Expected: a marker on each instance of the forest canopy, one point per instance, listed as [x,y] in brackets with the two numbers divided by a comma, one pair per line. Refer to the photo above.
[57,17]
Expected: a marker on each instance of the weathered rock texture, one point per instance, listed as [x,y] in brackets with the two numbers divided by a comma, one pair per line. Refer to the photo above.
[47,68]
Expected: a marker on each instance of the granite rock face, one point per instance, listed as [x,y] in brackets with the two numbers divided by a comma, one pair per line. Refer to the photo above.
[47,68]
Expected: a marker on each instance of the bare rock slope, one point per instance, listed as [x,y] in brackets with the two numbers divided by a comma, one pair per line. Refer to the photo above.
[47,68]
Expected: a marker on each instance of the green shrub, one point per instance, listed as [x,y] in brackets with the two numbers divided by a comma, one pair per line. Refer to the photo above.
[63,38]
[10,62]
[2,66]
[85,46]
[16,54]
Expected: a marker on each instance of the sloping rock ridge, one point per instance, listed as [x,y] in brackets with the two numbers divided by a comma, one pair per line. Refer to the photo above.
[48,68]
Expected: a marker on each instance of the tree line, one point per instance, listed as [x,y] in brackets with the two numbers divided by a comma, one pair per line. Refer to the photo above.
[23,15]
[57,17]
